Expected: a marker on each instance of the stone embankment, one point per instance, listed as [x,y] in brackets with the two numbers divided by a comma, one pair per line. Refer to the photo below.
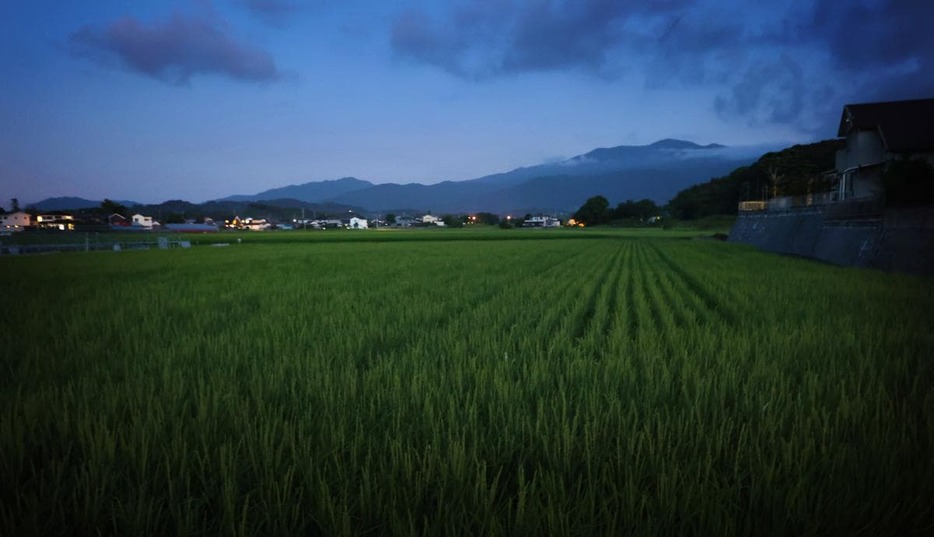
[895,240]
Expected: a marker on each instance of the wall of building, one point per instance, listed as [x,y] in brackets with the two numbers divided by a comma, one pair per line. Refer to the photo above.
[901,240]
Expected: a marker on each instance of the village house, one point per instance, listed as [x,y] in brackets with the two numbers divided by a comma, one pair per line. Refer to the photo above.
[61,222]
[355,222]
[876,134]
[17,221]
[118,221]
[432,220]
[404,221]
[144,222]
[541,221]
[330,223]
[255,224]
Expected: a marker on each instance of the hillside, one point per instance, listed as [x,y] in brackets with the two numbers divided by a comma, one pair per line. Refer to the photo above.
[794,171]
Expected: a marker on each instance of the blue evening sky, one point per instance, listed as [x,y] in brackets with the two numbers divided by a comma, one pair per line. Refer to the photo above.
[199,99]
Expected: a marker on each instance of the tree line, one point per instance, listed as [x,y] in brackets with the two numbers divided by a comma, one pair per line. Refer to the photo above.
[596,210]
[798,170]
[795,171]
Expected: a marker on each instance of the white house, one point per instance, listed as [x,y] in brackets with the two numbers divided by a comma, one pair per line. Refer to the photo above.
[14,221]
[357,223]
[541,221]
[877,133]
[430,219]
[144,222]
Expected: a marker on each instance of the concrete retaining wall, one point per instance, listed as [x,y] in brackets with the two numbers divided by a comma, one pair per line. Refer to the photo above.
[902,240]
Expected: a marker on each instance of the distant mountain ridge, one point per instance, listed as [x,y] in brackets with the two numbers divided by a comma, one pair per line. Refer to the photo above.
[65,203]
[319,190]
[657,171]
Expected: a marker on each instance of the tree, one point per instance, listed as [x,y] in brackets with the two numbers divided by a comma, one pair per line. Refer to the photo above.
[641,210]
[486,218]
[594,211]
[109,207]
[173,218]
[451,220]
[14,205]
[391,218]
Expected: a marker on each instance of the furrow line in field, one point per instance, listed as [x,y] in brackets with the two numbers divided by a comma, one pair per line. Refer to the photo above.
[653,303]
[400,340]
[612,306]
[632,324]
[717,269]
[617,327]
[648,318]
[556,304]
[597,298]
[686,307]
[713,304]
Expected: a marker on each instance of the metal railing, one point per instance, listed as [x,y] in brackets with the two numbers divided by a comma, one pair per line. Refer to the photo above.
[92,246]
[829,202]
[752,206]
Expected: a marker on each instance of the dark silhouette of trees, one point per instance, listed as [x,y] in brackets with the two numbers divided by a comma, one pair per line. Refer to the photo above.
[641,210]
[596,210]
[109,207]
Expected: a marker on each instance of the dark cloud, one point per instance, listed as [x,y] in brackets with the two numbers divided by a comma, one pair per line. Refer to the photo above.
[275,12]
[888,44]
[770,92]
[804,67]
[864,34]
[794,64]
[485,38]
[174,51]
[875,50]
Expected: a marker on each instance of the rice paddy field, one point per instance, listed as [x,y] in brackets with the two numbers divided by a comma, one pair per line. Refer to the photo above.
[463,383]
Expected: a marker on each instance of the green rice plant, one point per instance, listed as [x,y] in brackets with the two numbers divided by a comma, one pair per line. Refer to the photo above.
[463,383]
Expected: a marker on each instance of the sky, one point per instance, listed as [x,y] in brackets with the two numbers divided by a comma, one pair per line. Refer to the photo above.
[148,101]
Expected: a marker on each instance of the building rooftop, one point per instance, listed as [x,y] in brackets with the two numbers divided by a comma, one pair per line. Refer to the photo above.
[904,126]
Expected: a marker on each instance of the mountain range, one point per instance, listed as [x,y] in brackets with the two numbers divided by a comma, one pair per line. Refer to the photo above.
[656,171]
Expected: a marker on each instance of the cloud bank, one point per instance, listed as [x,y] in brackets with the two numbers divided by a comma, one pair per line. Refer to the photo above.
[174,51]
[793,62]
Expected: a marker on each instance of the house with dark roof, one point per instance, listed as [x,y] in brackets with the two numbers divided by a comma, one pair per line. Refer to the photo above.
[876,134]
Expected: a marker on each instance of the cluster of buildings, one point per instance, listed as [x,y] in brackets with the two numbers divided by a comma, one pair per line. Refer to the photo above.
[20,220]
[352,222]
